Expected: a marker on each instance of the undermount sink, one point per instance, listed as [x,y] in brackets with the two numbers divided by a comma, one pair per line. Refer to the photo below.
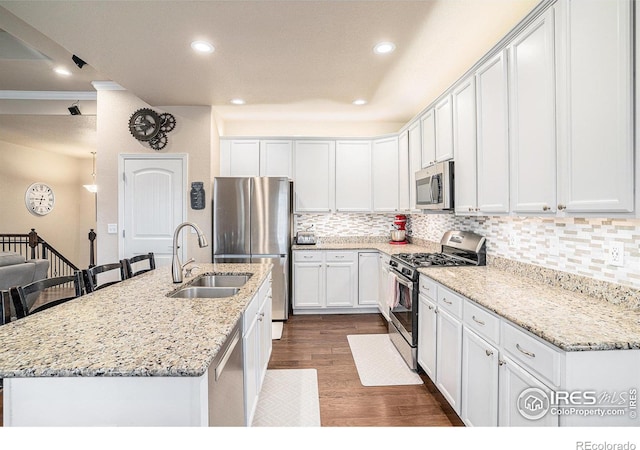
[221,280]
[205,292]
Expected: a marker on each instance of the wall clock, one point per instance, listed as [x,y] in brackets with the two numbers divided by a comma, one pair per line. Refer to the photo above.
[39,199]
[148,126]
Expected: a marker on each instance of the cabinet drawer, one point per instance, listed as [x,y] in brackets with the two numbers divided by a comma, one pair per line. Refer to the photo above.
[532,352]
[428,287]
[341,256]
[481,321]
[449,301]
[307,256]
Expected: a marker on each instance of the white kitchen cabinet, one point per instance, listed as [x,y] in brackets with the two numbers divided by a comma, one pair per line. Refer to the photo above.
[276,158]
[415,160]
[403,172]
[492,132]
[464,146]
[384,285]
[254,348]
[308,279]
[513,380]
[479,380]
[595,107]
[427,336]
[385,175]
[449,357]
[444,129]
[341,279]
[353,176]
[368,278]
[532,109]
[240,158]
[314,176]
[428,123]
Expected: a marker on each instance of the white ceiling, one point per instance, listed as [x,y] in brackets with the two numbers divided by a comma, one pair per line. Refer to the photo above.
[290,60]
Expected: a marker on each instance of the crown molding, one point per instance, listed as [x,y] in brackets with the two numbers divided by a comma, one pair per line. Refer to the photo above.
[48,95]
[107,86]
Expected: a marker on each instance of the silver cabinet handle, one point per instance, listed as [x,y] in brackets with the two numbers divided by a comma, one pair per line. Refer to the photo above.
[340,256]
[488,352]
[477,321]
[561,207]
[430,307]
[546,208]
[447,301]
[307,256]
[501,362]
[529,354]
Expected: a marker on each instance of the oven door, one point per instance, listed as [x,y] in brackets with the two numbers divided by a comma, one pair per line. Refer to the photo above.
[404,313]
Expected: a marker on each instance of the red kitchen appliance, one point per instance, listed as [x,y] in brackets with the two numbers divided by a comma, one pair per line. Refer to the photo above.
[399,233]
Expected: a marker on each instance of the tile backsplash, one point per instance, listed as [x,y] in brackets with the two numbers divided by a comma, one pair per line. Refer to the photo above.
[574,245]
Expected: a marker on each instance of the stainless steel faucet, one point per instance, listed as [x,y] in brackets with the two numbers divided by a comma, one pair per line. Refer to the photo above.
[176,267]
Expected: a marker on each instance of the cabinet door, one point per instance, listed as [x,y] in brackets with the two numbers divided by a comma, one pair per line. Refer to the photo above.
[353,176]
[479,381]
[385,175]
[308,285]
[244,158]
[341,284]
[403,171]
[250,351]
[314,163]
[444,129]
[266,339]
[493,144]
[595,106]
[464,146]
[427,326]
[384,286]
[532,118]
[415,160]
[276,159]
[368,279]
[513,380]
[428,122]
[449,358]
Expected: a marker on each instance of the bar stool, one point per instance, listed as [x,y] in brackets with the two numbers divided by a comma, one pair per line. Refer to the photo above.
[90,275]
[19,294]
[129,262]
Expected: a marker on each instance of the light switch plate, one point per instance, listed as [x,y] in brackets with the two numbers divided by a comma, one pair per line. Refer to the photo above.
[112,228]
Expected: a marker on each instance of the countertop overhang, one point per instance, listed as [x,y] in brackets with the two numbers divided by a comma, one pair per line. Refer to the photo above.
[129,329]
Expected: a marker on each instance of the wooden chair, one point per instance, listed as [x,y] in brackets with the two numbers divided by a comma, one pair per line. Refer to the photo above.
[90,275]
[19,294]
[129,262]
[5,307]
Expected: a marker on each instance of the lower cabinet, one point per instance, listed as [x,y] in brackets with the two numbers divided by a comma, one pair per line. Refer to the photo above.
[332,281]
[479,381]
[256,346]
[448,357]
[384,285]
[427,325]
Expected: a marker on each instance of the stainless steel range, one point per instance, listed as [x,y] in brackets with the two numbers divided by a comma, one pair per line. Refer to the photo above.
[459,248]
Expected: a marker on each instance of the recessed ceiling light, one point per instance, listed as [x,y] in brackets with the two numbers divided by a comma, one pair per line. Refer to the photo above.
[62,71]
[384,47]
[238,101]
[202,47]
[360,102]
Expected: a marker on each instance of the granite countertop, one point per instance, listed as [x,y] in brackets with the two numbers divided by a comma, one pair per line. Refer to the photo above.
[569,320]
[128,329]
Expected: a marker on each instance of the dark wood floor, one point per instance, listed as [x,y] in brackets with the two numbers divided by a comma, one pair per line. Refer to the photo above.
[320,342]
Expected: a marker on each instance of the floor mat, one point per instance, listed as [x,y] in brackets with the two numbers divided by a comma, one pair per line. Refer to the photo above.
[289,398]
[378,361]
[276,330]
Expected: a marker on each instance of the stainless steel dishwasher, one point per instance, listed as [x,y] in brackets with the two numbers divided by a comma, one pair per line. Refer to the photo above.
[226,383]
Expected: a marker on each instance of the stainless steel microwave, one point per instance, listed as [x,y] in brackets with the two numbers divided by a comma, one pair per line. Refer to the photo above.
[434,187]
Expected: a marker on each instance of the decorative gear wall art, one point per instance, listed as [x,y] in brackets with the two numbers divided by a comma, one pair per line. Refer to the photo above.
[146,125]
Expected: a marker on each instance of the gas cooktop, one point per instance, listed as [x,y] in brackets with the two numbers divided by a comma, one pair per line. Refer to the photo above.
[432,259]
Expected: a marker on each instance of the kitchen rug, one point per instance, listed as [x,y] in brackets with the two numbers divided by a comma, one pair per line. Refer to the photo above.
[378,361]
[276,330]
[289,398]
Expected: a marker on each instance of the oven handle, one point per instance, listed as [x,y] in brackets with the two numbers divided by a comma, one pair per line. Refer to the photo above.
[407,284]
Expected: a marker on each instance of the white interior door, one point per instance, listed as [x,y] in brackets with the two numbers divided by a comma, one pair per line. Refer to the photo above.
[153,196]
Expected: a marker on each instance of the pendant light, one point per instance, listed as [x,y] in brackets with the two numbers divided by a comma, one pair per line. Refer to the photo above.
[92,187]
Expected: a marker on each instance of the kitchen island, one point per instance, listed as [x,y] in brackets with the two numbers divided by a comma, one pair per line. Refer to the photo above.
[124,355]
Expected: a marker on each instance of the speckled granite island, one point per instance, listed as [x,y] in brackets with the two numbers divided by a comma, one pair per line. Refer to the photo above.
[124,355]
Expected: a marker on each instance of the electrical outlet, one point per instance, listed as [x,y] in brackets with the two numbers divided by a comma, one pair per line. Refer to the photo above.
[615,256]
[513,240]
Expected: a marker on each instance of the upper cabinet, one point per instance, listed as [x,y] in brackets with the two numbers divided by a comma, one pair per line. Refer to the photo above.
[428,122]
[444,129]
[595,126]
[256,158]
[385,175]
[353,176]
[403,172]
[415,160]
[314,182]
[493,133]
[532,128]
[464,146]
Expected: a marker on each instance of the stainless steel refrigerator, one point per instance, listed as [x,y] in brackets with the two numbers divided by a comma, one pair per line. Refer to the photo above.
[252,223]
